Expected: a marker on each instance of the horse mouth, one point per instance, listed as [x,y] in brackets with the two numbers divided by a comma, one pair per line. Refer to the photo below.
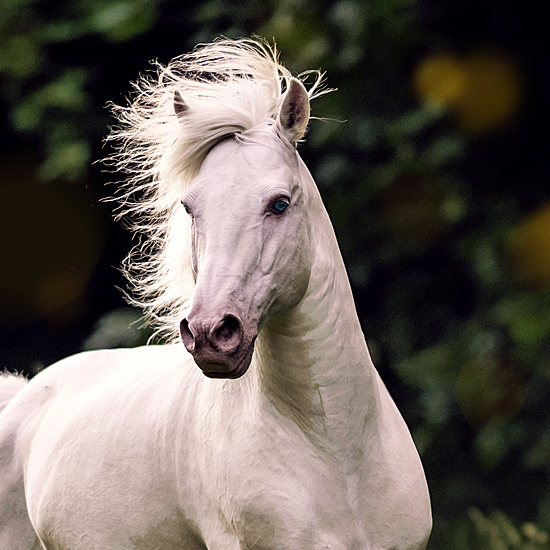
[211,370]
[226,367]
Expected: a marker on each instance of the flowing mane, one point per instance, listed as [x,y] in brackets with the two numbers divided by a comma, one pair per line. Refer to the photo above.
[230,87]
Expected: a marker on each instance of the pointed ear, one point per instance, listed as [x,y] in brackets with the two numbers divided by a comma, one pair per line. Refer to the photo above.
[294,114]
[180,107]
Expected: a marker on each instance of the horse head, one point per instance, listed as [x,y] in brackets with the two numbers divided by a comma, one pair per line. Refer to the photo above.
[250,237]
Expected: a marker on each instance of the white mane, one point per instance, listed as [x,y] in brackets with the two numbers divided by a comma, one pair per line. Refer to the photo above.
[230,87]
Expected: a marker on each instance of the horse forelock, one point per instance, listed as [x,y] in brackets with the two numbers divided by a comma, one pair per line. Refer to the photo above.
[230,88]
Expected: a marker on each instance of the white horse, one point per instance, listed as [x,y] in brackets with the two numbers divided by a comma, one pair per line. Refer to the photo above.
[269,428]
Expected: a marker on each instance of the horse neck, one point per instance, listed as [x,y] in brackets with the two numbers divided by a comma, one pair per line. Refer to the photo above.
[314,365]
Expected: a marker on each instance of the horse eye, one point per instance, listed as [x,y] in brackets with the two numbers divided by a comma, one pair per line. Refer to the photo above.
[280,205]
[187,209]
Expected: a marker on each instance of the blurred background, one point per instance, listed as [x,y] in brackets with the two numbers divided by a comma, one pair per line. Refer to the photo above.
[436,178]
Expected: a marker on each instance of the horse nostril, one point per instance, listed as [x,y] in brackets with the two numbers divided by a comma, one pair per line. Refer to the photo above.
[187,336]
[228,334]
[228,328]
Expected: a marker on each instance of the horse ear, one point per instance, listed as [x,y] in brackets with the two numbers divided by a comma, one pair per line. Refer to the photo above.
[180,107]
[294,113]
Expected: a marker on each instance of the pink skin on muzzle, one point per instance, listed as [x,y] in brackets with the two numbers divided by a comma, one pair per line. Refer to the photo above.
[218,345]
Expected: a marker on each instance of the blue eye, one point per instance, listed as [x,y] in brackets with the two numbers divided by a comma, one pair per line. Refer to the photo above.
[280,205]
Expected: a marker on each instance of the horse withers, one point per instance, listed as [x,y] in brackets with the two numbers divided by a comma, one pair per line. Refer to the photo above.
[264,425]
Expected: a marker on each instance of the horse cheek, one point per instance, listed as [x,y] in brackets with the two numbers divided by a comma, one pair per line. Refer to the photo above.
[291,281]
[301,258]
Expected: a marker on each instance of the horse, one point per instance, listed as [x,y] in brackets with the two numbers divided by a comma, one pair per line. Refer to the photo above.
[261,422]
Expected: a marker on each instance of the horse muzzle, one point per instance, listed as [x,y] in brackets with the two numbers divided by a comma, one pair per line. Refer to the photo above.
[219,346]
